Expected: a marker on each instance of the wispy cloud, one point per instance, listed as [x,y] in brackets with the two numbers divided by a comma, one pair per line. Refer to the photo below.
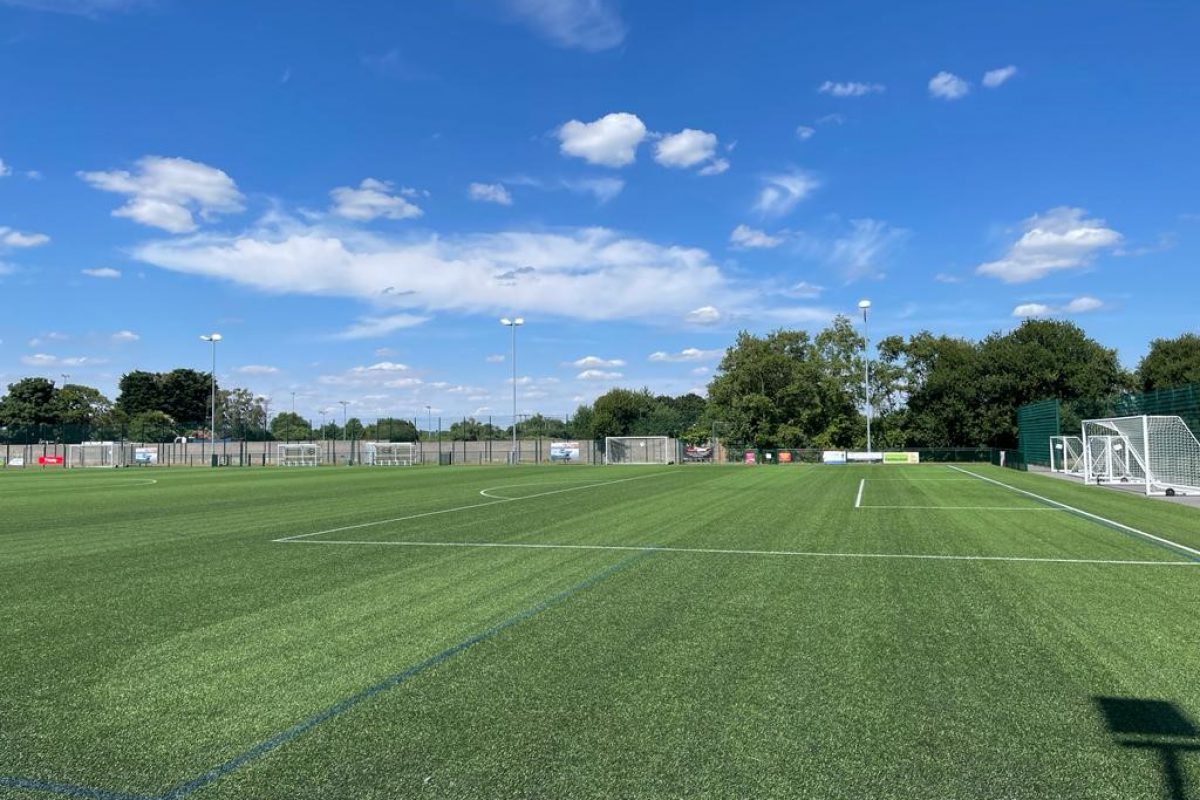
[850,88]
[589,25]
[1060,239]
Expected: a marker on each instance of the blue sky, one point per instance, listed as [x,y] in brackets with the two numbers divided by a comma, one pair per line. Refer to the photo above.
[353,194]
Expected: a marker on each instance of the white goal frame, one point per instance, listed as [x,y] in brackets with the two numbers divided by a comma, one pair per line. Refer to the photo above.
[389,454]
[638,450]
[1159,453]
[96,454]
[303,454]
[1066,455]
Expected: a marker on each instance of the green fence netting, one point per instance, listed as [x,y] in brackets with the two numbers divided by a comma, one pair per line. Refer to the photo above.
[1036,423]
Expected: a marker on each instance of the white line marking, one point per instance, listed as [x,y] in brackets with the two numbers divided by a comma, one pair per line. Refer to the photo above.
[1080,511]
[858,500]
[968,508]
[721,551]
[94,484]
[497,501]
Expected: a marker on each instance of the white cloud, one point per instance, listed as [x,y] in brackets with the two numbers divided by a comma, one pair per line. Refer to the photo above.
[701,371]
[598,375]
[638,279]
[687,148]
[490,193]
[715,167]
[257,369]
[743,236]
[945,277]
[850,88]
[603,189]
[102,272]
[495,359]
[589,362]
[5,169]
[47,360]
[373,199]
[948,86]
[995,77]
[1080,305]
[805,132]
[166,192]
[589,25]
[806,291]
[781,192]
[1060,239]
[705,315]
[611,141]
[687,354]
[859,251]
[374,327]
[14,238]
[125,336]
[383,366]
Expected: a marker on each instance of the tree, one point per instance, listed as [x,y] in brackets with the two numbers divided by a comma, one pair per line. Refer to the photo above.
[140,391]
[29,409]
[79,408]
[186,395]
[618,411]
[354,429]
[541,426]
[288,426]
[241,412]
[1170,362]
[472,430]
[151,426]
[389,429]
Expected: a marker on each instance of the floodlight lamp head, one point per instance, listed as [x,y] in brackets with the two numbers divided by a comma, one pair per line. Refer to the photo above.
[864,304]
[519,321]
[506,321]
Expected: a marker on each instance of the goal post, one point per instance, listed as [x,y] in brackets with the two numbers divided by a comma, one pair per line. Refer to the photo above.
[389,454]
[1159,453]
[96,454]
[298,455]
[637,450]
[1066,455]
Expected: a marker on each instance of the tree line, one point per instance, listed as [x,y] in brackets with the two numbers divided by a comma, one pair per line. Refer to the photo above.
[786,388]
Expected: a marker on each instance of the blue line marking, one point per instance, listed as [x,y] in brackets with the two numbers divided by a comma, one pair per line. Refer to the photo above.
[67,790]
[335,710]
[299,729]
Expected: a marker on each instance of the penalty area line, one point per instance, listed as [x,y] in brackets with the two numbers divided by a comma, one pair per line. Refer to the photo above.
[743,552]
[1170,545]
[494,502]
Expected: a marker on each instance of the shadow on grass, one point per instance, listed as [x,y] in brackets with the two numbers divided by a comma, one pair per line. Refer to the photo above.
[1154,725]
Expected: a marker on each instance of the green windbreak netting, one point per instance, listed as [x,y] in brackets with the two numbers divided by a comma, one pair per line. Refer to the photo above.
[1178,401]
[1036,423]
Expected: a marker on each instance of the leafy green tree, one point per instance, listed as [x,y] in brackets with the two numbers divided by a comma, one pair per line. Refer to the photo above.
[241,412]
[288,426]
[388,429]
[617,412]
[151,426]
[29,409]
[1170,362]
[544,427]
[472,430]
[354,429]
[80,405]
[186,395]
[140,391]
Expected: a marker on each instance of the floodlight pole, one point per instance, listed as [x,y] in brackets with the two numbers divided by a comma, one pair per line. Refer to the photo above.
[213,338]
[514,324]
[865,306]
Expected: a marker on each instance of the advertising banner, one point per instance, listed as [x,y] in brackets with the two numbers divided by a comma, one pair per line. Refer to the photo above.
[16,461]
[833,457]
[785,456]
[751,457]
[564,451]
[145,456]
[902,458]
[863,457]
[50,461]
[697,452]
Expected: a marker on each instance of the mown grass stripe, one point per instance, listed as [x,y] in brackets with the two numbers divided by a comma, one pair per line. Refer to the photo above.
[67,790]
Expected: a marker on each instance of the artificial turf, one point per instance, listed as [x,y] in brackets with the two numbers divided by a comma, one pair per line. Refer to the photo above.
[661,632]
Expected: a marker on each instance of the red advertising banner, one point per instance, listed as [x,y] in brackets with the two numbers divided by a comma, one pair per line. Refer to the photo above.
[751,457]
[50,461]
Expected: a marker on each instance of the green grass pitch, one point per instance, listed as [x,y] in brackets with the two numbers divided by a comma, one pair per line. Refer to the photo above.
[562,632]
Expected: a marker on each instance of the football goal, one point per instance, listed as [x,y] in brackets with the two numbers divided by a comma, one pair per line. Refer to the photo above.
[1159,453]
[637,450]
[1066,455]
[389,454]
[96,454]
[298,455]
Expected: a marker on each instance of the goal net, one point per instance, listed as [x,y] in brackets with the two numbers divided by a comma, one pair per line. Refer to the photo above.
[1158,452]
[299,455]
[1066,455]
[389,454]
[96,454]
[637,450]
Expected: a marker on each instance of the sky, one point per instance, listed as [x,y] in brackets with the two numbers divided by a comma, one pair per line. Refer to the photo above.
[354,194]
